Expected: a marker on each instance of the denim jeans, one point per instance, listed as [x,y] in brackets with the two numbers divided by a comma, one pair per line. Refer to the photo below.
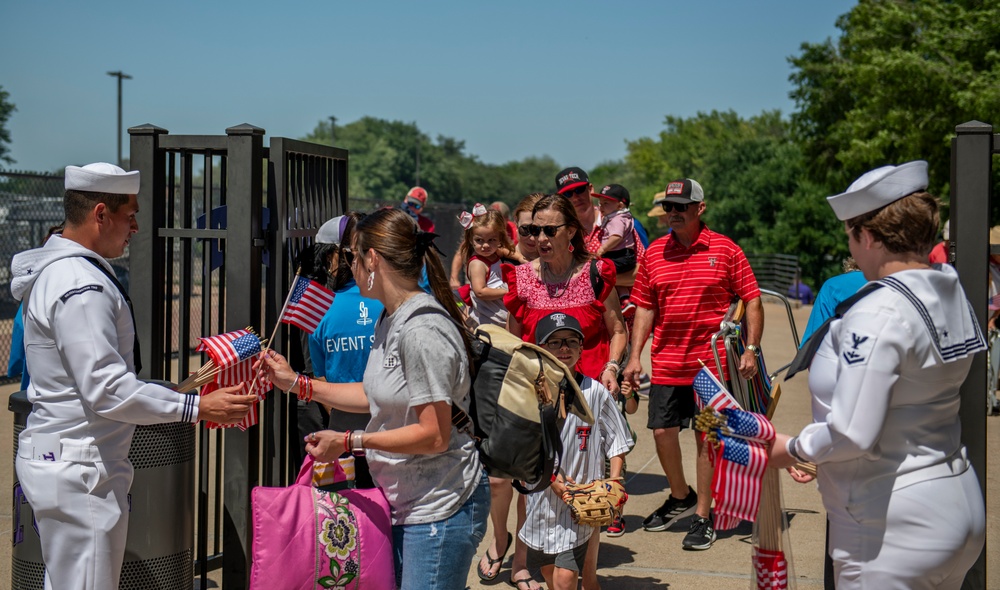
[437,555]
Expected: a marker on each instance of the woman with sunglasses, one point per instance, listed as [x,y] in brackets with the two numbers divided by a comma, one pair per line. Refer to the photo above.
[566,277]
[418,369]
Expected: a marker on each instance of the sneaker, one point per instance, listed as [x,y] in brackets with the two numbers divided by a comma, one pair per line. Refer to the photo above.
[671,511]
[628,311]
[617,527]
[644,385]
[701,536]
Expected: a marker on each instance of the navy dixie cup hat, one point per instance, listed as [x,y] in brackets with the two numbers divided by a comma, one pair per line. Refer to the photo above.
[614,192]
[571,178]
[554,322]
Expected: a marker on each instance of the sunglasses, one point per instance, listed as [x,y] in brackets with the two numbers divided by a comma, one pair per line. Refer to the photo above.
[524,230]
[557,343]
[678,207]
[575,191]
[534,230]
[348,256]
[415,205]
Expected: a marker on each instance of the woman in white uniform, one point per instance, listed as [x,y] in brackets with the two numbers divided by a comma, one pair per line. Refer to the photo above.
[904,503]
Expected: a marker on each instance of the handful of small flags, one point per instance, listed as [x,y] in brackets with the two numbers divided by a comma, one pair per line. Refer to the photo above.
[740,441]
[231,358]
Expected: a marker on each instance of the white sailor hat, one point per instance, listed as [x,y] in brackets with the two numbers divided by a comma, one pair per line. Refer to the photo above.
[102,178]
[878,188]
[332,232]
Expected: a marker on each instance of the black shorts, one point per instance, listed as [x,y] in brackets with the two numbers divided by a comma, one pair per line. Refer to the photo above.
[671,406]
[571,559]
[624,259]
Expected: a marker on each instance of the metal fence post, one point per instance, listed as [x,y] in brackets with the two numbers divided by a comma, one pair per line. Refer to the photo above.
[970,206]
[146,280]
[244,248]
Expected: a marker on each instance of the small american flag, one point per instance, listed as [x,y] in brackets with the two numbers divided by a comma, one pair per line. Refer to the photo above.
[736,480]
[307,303]
[711,392]
[230,348]
[748,425]
[771,569]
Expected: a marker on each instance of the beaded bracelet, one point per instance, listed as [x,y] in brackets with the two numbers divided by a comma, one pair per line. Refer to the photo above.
[347,441]
[306,389]
[613,366]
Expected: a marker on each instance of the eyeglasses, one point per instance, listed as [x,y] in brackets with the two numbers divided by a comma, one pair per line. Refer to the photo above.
[679,207]
[535,230]
[574,191]
[524,230]
[557,343]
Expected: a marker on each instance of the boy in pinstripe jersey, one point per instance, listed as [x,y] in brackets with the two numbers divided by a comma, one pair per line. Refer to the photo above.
[555,543]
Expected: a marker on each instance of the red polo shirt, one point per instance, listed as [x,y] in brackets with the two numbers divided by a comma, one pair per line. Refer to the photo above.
[690,290]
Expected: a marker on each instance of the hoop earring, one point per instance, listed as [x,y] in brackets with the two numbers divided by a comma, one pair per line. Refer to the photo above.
[371,280]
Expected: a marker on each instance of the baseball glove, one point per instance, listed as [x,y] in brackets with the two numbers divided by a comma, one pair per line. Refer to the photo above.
[596,503]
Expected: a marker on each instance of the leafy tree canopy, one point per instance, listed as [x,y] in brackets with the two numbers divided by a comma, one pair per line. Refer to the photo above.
[7,108]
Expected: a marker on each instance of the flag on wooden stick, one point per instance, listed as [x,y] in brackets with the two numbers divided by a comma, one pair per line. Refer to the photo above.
[306,304]
[231,356]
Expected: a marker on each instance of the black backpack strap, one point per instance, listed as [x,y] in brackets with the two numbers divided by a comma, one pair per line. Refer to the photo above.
[552,452]
[596,280]
[805,355]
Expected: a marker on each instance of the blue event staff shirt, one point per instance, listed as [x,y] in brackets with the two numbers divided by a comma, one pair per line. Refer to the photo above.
[340,346]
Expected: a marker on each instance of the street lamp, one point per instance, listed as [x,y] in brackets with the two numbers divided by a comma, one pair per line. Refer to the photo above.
[333,125]
[120,75]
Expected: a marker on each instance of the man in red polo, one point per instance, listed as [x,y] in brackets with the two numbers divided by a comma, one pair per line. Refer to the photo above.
[686,282]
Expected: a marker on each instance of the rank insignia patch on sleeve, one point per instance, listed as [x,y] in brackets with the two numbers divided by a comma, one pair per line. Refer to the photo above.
[80,291]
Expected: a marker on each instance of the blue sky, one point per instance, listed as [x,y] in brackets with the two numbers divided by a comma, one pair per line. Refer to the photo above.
[572,80]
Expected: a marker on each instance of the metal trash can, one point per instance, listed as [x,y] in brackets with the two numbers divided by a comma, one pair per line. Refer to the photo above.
[159,552]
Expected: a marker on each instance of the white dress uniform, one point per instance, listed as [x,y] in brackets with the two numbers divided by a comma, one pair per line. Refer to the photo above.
[72,455]
[904,503]
[549,525]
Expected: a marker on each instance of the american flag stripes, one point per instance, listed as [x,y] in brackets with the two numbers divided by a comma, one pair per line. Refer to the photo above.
[234,354]
[711,392]
[770,569]
[307,303]
[736,480]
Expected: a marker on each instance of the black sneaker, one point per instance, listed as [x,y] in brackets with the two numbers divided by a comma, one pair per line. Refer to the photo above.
[701,536]
[671,511]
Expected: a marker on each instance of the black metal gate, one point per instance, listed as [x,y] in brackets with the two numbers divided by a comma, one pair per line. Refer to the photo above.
[213,254]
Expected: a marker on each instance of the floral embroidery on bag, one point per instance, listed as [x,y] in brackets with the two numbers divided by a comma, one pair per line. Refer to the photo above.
[337,536]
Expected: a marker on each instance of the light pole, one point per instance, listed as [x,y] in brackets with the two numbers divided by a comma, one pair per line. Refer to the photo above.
[333,125]
[120,75]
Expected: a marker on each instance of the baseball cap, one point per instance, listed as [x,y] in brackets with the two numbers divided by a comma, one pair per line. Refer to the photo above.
[417,195]
[684,190]
[879,187]
[571,178]
[332,232]
[554,322]
[102,177]
[614,192]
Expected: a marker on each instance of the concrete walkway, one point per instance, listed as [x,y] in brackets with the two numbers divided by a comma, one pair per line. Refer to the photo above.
[644,560]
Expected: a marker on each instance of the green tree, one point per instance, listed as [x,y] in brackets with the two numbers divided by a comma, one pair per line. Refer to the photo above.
[7,108]
[895,84]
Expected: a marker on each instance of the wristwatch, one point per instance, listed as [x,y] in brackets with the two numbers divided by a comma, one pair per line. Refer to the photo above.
[357,443]
[754,349]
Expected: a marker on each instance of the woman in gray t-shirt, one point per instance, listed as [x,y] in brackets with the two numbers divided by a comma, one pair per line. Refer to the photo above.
[418,368]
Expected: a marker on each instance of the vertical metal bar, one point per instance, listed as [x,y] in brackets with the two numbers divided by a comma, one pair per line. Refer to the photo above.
[146,280]
[243,304]
[972,151]
[169,221]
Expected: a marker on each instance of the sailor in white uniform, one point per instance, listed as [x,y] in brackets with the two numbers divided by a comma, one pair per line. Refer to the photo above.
[904,503]
[79,345]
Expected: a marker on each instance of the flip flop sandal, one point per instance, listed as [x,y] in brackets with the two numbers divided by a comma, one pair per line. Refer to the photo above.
[517,583]
[487,577]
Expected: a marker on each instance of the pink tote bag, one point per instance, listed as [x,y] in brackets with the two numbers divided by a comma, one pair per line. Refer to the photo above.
[307,539]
